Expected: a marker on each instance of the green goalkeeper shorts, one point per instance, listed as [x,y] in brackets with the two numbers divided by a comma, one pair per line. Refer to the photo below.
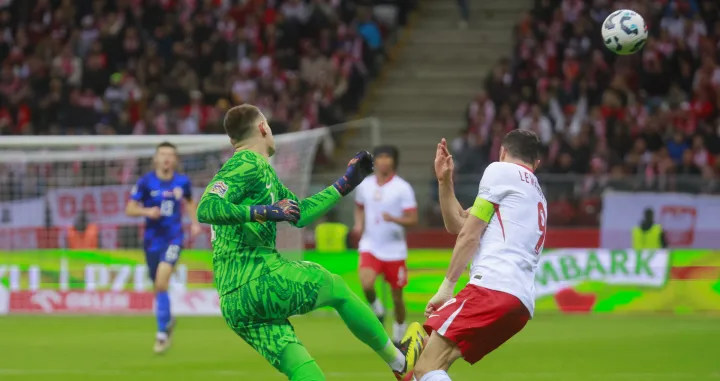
[258,311]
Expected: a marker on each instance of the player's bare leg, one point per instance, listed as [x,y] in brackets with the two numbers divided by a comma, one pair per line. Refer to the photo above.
[164,319]
[358,318]
[399,326]
[368,277]
[438,355]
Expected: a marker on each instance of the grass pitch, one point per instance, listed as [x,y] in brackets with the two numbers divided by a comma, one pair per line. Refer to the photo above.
[552,347]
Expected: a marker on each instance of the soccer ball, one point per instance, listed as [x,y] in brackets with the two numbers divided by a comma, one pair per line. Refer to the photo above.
[624,32]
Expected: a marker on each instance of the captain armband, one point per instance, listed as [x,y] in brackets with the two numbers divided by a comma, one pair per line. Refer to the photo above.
[483,209]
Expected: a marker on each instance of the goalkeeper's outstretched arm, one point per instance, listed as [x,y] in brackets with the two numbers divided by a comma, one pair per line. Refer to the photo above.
[317,205]
[215,207]
[215,210]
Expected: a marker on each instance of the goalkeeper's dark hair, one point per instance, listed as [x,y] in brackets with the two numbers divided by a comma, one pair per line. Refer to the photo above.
[523,145]
[240,121]
[165,145]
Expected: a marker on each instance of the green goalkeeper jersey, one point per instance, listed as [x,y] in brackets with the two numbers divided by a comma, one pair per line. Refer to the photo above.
[243,249]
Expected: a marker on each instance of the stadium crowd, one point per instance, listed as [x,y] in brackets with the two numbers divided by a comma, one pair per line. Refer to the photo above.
[175,66]
[649,121]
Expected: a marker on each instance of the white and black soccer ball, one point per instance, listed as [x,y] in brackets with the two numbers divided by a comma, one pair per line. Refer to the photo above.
[624,32]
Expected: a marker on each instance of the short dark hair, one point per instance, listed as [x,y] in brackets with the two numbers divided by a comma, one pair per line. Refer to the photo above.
[523,145]
[240,121]
[389,150]
[165,144]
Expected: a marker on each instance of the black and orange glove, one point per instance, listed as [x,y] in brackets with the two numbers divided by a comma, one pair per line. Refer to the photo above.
[359,167]
[283,210]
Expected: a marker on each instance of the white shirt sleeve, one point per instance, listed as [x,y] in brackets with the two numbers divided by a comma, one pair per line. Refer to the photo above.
[494,185]
[359,196]
[408,198]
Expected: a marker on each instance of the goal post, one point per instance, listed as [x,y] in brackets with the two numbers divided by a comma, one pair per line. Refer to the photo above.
[52,184]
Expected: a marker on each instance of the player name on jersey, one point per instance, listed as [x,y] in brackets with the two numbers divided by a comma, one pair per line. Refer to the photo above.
[515,235]
[528,177]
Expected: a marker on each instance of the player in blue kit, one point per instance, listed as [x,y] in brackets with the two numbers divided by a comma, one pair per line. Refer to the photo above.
[159,196]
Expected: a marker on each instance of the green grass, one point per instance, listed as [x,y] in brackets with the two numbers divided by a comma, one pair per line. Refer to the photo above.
[552,347]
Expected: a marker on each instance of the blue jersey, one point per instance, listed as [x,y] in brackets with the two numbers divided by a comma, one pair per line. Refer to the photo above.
[168,195]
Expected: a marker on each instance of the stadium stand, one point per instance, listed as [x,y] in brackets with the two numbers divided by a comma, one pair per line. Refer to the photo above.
[174,66]
[644,122]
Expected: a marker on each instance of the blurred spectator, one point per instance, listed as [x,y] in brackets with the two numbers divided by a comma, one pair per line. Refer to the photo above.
[687,165]
[179,82]
[68,67]
[295,10]
[115,94]
[481,113]
[243,89]
[537,123]
[677,147]
[369,30]
[194,115]
[216,84]
[315,68]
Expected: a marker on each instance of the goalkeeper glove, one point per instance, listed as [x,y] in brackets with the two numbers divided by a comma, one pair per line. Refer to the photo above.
[359,167]
[283,210]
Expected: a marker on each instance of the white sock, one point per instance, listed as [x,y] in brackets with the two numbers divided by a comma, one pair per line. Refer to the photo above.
[436,375]
[378,308]
[161,336]
[398,362]
[398,331]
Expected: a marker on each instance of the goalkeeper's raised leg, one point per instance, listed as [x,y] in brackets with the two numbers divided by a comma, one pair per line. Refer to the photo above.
[259,289]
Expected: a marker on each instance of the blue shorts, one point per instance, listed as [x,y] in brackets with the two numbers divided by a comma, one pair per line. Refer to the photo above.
[154,256]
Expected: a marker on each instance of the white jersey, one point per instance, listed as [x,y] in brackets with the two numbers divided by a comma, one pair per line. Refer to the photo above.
[384,240]
[508,255]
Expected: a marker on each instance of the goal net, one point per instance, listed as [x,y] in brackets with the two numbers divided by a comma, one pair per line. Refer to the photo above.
[52,186]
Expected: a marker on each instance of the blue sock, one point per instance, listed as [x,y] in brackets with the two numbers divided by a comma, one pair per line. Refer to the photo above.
[162,313]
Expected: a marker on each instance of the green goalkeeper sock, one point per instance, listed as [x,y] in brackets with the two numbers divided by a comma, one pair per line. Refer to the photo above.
[297,364]
[361,320]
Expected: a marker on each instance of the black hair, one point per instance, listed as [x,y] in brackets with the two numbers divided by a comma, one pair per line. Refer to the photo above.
[388,150]
[522,144]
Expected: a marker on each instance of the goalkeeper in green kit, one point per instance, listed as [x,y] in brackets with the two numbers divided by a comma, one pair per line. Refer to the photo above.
[259,289]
